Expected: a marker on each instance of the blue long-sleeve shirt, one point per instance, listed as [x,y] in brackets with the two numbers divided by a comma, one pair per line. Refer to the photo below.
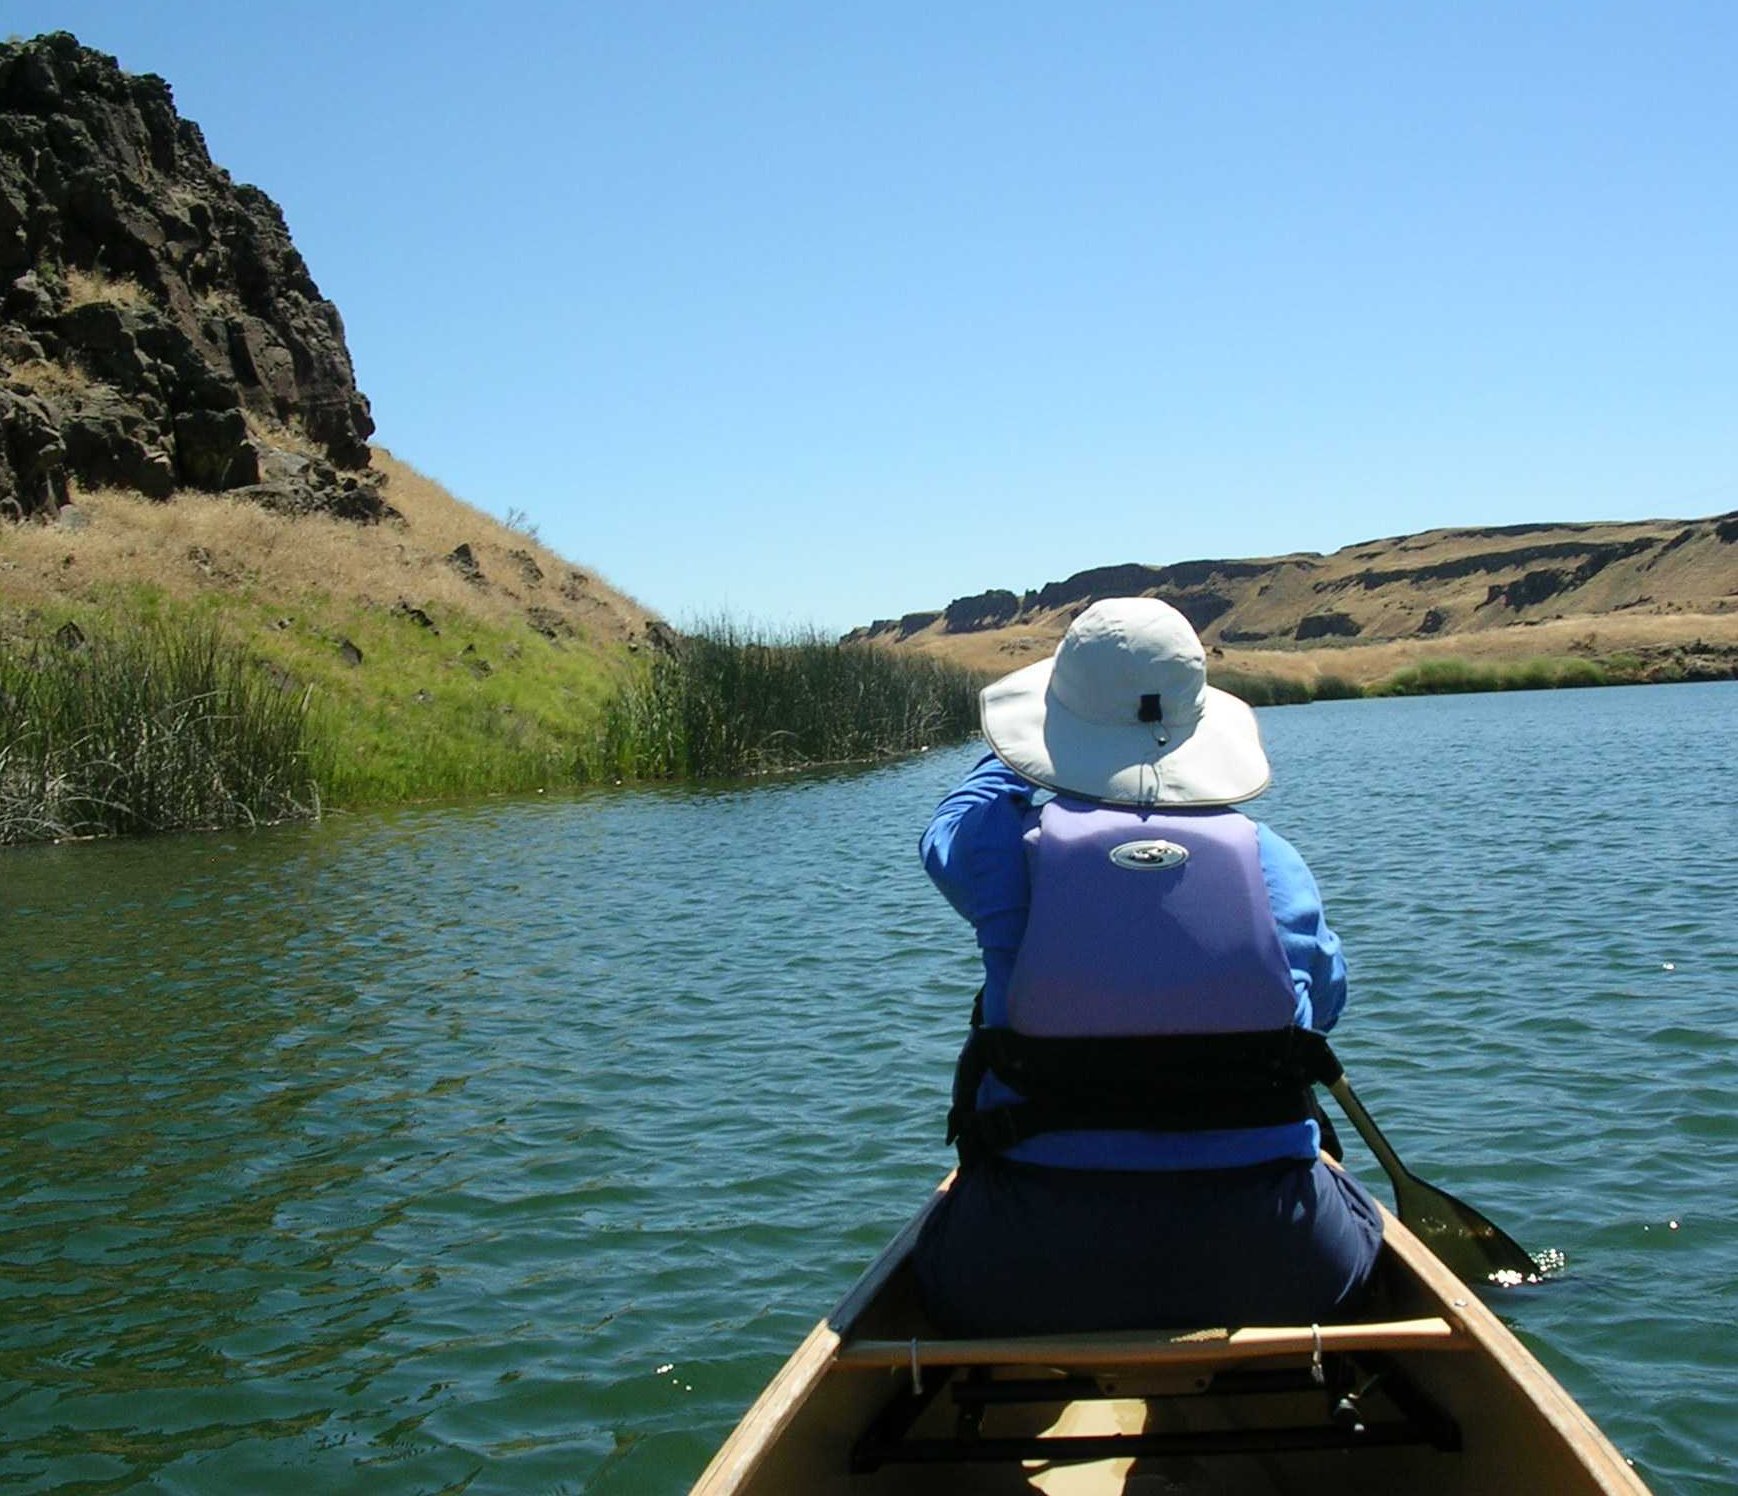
[972,850]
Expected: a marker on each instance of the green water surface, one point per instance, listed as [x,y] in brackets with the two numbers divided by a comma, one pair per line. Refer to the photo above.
[511,1147]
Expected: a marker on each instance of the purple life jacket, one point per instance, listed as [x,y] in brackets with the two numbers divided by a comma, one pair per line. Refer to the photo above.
[1145,924]
[1142,923]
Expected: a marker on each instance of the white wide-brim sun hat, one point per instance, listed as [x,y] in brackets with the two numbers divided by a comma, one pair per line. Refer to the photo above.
[1122,713]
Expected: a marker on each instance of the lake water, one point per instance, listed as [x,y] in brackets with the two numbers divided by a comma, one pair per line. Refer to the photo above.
[511,1147]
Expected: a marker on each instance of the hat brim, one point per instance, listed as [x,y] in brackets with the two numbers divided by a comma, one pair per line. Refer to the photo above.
[1220,762]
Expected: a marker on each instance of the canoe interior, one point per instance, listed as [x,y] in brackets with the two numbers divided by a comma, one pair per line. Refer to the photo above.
[1467,1409]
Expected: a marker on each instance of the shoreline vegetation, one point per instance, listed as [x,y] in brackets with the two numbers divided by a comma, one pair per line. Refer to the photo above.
[160,729]
[726,702]
[203,662]
[175,725]
[1447,676]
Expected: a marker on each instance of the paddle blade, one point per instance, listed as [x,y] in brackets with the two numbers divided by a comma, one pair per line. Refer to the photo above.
[1466,1242]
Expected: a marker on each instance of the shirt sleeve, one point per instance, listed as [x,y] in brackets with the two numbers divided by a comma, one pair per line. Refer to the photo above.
[1318,966]
[972,851]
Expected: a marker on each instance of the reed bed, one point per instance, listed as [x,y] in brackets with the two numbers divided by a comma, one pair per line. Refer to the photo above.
[722,701]
[1258,688]
[1451,676]
[1441,677]
[169,728]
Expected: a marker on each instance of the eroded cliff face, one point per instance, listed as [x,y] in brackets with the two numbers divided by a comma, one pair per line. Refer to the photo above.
[158,329]
[1440,582]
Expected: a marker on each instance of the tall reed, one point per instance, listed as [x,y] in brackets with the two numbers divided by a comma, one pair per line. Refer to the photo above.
[168,728]
[722,701]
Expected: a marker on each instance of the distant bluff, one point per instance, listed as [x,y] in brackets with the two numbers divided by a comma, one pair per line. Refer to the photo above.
[158,329]
[1668,581]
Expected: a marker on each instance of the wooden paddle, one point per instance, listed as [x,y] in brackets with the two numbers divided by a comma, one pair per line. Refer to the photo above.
[1470,1246]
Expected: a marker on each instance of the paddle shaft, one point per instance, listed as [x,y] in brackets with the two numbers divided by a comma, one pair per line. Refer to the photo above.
[1369,1132]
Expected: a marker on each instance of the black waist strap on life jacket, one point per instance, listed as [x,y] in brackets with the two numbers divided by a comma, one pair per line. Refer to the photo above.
[1159,1082]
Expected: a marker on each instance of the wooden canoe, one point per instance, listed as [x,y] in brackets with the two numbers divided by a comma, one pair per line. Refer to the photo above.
[1429,1393]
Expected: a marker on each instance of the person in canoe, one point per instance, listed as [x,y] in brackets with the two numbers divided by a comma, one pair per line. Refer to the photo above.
[1138,1139]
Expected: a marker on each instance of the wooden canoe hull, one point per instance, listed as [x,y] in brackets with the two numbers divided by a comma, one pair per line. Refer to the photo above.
[1458,1405]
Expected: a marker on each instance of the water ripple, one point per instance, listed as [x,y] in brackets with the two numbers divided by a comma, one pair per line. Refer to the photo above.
[511,1147]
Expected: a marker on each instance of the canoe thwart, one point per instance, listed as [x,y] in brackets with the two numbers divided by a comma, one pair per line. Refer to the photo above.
[1194,1348]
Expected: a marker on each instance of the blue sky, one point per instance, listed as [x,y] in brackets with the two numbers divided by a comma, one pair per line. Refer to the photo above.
[818,313]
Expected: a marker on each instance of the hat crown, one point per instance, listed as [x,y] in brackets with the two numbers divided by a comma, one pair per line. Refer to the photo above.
[1122,714]
[1121,653]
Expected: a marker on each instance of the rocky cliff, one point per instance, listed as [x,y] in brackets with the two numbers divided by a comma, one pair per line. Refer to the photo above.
[158,329]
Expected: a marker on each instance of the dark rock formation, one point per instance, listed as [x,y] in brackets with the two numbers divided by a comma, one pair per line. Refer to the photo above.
[408,610]
[987,610]
[1531,589]
[1535,587]
[894,629]
[1594,557]
[158,329]
[1179,584]
[1327,626]
[32,456]
[1201,607]
[463,560]
[1200,590]
[1682,538]
[549,623]
[1129,580]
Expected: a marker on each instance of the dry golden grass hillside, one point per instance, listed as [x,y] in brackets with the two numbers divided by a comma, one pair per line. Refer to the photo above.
[201,545]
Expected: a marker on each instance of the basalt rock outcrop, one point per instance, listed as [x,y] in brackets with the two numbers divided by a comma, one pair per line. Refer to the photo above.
[158,329]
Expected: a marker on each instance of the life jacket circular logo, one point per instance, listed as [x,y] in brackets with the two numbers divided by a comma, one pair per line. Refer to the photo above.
[1149,856]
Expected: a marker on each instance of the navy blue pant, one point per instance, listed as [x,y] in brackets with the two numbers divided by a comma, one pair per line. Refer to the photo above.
[1019,1249]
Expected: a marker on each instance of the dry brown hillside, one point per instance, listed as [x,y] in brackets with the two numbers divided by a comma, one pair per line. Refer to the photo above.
[1661,591]
[437,555]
